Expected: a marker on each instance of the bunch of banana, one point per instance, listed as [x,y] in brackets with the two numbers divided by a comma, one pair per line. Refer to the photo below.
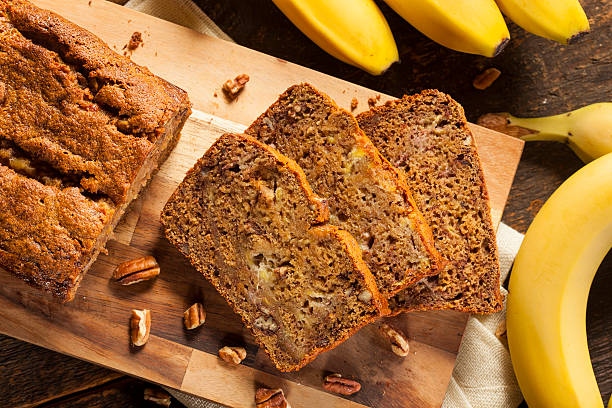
[549,287]
[354,31]
[587,131]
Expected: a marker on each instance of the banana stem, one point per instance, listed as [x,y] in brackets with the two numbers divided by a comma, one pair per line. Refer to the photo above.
[550,128]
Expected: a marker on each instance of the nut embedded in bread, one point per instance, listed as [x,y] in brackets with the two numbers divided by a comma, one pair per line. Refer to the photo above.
[81,131]
[247,219]
[365,194]
[426,136]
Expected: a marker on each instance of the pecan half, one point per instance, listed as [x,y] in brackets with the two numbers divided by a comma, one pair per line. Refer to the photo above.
[157,396]
[137,270]
[398,340]
[268,398]
[140,325]
[340,385]
[233,355]
[232,87]
[486,78]
[194,317]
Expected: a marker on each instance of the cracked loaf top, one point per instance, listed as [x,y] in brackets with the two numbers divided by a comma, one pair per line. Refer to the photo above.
[78,123]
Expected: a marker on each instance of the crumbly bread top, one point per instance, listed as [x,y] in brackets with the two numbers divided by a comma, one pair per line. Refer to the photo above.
[79,124]
[366,195]
[427,137]
[71,102]
[247,219]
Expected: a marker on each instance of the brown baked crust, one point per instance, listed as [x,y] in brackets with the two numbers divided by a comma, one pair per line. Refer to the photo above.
[426,136]
[80,126]
[221,264]
[373,202]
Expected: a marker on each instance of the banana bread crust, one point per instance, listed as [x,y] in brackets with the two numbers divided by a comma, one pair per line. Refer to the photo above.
[243,198]
[368,197]
[81,131]
[426,136]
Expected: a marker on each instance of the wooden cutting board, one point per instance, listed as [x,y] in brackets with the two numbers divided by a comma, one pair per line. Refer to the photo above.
[94,327]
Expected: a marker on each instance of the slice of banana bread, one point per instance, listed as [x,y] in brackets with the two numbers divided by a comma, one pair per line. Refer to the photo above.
[427,137]
[247,219]
[81,131]
[366,195]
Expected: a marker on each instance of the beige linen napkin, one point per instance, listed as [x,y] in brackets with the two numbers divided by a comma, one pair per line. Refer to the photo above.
[483,375]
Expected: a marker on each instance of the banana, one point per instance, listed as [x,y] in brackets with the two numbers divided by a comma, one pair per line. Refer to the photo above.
[559,20]
[549,287]
[354,31]
[472,26]
[587,131]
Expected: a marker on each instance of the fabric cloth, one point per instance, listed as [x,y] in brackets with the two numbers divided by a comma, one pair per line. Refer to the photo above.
[483,374]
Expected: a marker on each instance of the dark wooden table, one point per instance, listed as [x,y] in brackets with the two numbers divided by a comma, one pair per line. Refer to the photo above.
[539,77]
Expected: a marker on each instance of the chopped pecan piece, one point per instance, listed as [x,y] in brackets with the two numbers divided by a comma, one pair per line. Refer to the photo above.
[267,398]
[484,80]
[232,87]
[157,396]
[398,340]
[136,270]
[372,101]
[340,385]
[354,104]
[233,355]
[194,317]
[140,325]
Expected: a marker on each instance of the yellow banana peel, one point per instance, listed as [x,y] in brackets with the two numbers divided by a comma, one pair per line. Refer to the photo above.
[549,287]
[353,31]
[559,20]
[472,26]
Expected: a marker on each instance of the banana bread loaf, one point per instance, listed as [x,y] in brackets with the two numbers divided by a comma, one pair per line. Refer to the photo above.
[366,196]
[81,131]
[248,221]
[427,137]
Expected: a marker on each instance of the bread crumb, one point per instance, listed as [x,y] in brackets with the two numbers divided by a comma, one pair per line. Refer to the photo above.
[354,104]
[89,3]
[215,94]
[135,41]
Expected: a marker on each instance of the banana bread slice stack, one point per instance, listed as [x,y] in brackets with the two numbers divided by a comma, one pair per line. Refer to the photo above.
[367,197]
[81,131]
[247,219]
[426,136]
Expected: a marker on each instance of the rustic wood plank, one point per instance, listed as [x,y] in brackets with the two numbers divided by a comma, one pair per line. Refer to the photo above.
[31,375]
[121,393]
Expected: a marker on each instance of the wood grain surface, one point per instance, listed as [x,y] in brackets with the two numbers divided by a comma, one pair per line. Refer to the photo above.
[94,326]
[538,77]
